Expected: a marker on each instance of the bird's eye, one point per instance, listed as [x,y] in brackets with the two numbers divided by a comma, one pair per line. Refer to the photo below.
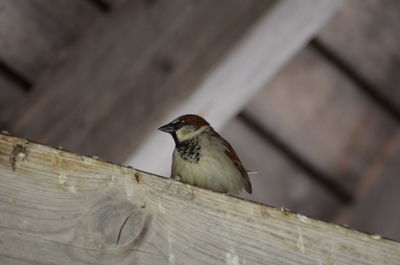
[179,124]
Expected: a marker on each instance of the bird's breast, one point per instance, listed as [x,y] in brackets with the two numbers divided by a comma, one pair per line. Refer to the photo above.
[206,165]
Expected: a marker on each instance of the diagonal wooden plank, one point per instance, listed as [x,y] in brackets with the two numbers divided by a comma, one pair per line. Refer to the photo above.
[32,33]
[365,35]
[140,61]
[58,207]
[230,85]
[323,117]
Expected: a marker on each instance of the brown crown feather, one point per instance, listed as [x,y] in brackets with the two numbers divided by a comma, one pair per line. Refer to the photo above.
[192,119]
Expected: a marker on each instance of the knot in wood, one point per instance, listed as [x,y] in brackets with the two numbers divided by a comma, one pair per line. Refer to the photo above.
[18,155]
[115,223]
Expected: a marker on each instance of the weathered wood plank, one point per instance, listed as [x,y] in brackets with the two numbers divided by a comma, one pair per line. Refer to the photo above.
[141,61]
[232,82]
[58,207]
[32,33]
[365,34]
[324,118]
[278,182]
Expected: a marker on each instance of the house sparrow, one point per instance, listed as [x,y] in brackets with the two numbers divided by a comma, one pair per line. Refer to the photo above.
[203,158]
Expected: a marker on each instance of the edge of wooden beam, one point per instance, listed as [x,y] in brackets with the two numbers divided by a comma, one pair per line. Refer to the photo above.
[187,223]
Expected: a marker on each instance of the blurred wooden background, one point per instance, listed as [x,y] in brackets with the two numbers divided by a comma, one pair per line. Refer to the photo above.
[323,135]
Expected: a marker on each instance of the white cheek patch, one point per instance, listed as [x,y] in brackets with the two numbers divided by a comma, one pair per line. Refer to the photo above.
[188,132]
[183,133]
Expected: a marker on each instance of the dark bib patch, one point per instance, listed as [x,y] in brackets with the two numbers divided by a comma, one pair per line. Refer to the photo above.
[189,150]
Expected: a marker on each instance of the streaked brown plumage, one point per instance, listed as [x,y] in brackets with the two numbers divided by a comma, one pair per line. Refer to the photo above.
[203,158]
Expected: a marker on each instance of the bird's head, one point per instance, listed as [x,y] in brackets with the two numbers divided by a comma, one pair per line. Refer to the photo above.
[185,127]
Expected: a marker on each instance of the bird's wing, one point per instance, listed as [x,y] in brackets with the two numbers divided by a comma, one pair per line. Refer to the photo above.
[235,159]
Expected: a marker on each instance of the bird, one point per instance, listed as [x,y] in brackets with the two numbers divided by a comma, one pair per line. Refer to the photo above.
[203,158]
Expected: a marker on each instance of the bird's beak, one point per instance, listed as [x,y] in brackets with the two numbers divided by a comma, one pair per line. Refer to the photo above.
[168,128]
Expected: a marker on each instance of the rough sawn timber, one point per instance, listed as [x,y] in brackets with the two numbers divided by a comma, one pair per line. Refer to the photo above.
[61,208]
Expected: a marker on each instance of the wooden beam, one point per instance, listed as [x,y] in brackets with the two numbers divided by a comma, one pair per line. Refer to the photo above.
[243,71]
[365,35]
[63,208]
[32,33]
[330,124]
[143,59]
[325,119]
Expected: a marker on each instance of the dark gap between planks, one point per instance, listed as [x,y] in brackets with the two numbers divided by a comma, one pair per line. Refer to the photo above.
[12,75]
[361,83]
[316,175]
[101,5]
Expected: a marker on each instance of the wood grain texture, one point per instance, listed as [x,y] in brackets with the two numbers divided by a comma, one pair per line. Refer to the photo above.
[32,33]
[323,118]
[365,34]
[278,182]
[142,60]
[58,207]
